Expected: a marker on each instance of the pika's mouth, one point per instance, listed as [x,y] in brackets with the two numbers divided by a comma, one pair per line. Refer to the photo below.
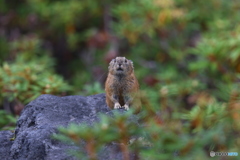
[119,69]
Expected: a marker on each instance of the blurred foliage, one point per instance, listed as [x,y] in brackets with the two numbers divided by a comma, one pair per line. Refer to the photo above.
[7,121]
[186,56]
[93,89]
[30,75]
[206,128]
[27,75]
[26,81]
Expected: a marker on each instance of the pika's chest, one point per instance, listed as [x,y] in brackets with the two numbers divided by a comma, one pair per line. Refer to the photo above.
[121,86]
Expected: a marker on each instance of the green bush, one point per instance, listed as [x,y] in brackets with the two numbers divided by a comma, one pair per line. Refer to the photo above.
[189,135]
[26,81]
[30,74]
[7,121]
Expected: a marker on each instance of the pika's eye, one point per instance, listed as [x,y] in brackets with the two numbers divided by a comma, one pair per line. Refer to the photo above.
[125,60]
[114,60]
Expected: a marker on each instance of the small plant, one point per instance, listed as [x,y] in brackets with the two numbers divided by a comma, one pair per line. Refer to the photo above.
[7,121]
[95,88]
[26,81]
[30,74]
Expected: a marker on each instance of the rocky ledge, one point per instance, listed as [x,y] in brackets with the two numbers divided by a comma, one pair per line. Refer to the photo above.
[41,118]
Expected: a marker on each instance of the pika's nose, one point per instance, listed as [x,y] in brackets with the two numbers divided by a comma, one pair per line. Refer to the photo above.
[120,65]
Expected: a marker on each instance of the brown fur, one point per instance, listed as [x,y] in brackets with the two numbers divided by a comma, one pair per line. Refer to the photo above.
[121,85]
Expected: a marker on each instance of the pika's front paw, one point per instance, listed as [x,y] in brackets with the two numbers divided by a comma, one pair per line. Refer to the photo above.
[126,107]
[117,106]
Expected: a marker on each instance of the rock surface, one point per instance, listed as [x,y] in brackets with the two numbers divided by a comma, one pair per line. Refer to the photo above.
[41,118]
[6,143]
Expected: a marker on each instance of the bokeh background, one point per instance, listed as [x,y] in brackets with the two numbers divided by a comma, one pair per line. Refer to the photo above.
[186,54]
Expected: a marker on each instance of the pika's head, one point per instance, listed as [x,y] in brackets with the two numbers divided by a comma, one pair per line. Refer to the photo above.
[120,66]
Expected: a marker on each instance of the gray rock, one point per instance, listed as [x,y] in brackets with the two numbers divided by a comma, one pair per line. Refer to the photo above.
[41,118]
[6,143]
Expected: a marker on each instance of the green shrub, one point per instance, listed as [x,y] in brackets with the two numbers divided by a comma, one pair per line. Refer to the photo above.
[30,74]
[184,136]
[7,121]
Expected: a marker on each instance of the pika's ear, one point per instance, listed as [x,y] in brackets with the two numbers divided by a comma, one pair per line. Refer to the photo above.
[110,64]
[111,61]
[131,62]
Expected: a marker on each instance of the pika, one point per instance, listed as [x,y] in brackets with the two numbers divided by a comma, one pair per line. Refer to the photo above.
[122,86]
